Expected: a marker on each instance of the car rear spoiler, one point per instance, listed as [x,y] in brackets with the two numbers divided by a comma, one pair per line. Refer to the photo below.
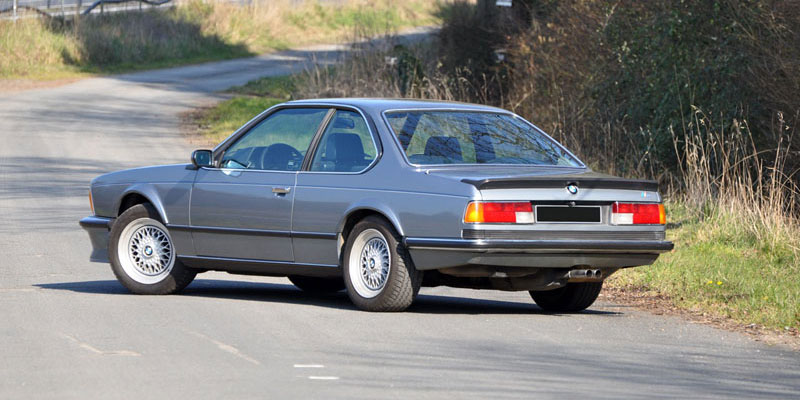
[561,182]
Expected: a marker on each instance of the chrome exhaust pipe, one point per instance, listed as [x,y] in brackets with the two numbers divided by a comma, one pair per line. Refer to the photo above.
[583,275]
[579,274]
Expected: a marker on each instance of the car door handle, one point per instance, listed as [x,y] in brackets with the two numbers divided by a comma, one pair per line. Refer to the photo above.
[281,189]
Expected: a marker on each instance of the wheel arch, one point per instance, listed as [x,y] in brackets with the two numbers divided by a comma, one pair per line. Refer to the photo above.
[141,194]
[359,212]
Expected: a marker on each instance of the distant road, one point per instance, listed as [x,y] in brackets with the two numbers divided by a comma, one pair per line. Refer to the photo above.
[68,330]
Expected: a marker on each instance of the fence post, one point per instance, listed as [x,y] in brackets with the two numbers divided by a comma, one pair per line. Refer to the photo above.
[15,11]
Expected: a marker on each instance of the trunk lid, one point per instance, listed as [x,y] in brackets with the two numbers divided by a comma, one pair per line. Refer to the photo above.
[486,177]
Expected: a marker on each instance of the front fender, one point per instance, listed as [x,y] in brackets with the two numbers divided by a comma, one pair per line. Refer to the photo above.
[150,193]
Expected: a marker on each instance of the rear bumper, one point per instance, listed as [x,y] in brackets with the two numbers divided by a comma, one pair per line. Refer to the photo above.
[535,246]
[98,229]
[435,253]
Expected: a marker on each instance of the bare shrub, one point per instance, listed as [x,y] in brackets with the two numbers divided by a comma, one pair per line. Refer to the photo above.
[722,173]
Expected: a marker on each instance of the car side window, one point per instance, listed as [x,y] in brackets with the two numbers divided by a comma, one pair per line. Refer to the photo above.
[278,143]
[346,145]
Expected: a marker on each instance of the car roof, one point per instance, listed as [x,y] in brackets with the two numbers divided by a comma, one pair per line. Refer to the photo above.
[379,105]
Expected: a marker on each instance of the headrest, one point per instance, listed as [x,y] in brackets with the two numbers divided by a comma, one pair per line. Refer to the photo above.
[344,146]
[444,146]
[343,123]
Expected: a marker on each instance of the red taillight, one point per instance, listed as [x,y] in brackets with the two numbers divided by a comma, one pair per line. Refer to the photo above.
[499,212]
[638,213]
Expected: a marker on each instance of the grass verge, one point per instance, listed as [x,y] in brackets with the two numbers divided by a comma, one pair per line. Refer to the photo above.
[218,122]
[190,32]
[719,267]
[215,123]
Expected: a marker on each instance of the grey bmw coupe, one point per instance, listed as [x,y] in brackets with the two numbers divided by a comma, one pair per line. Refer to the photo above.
[380,197]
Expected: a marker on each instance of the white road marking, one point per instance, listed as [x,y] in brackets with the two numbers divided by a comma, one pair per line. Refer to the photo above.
[95,350]
[324,378]
[309,366]
[227,348]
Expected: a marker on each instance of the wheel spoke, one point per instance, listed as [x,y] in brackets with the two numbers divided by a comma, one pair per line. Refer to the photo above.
[374,263]
[150,250]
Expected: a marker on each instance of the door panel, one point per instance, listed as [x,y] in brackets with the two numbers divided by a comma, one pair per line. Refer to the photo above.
[236,214]
[243,209]
[320,204]
[346,149]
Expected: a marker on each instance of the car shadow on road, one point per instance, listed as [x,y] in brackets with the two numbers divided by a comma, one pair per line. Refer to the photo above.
[286,293]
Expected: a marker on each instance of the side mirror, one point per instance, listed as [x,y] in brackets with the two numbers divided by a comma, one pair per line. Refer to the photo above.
[202,158]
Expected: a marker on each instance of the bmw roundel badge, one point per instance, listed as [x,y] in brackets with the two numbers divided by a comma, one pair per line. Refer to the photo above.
[572,188]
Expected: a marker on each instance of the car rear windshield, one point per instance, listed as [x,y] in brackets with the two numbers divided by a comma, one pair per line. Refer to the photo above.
[465,137]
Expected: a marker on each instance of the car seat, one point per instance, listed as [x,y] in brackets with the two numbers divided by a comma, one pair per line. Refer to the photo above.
[444,148]
[346,151]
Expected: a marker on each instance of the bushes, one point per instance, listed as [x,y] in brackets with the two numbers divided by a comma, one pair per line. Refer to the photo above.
[613,78]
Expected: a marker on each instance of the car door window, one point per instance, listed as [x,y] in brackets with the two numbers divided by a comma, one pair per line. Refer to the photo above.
[278,143]
[346,145]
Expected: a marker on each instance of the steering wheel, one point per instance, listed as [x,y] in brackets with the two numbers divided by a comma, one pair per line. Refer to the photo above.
[278,156]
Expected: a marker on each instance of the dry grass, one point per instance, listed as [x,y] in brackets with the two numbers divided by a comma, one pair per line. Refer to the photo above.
[266,25]
[30,47]
[192,31]
[736,228]
[723,172]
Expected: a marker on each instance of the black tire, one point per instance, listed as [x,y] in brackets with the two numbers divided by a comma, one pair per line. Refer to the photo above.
[571,298]
[314,284]
[170,281]
[402,282]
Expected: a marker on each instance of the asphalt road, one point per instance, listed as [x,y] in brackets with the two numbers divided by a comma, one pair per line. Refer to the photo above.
[69,330]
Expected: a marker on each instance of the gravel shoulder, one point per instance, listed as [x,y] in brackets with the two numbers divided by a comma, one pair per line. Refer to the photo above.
[657,304]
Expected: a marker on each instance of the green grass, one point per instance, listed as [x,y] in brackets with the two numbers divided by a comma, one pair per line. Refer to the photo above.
[370,19]
[279,87]
[223,119]
[250,99]
[191,32]
[720,267]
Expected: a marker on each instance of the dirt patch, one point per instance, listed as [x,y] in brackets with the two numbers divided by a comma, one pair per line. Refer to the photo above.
[19,85]
[192,127]
[659,304]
